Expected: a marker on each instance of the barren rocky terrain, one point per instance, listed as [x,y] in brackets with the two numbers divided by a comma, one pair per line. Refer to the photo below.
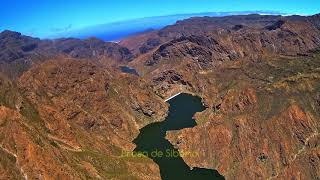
[67,111]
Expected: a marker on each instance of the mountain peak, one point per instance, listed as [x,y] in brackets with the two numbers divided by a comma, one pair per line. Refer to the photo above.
[10,33]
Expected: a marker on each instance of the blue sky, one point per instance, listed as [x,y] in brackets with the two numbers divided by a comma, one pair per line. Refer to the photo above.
[45,17]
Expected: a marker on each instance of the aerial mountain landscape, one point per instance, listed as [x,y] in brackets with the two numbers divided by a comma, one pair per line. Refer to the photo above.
[231,96]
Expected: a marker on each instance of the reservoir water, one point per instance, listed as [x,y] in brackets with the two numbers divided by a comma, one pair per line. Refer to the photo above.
[151,141]
[129,70]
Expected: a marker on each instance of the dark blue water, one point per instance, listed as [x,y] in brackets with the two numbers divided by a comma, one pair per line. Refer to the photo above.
[129,70]
[151,141]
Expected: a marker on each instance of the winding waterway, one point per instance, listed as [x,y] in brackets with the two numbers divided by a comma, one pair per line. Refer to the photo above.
[152,142]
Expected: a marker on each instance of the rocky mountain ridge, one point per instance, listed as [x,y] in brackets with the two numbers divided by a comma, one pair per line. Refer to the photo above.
[282,37]
[19,52]
[66,110]
[203,25]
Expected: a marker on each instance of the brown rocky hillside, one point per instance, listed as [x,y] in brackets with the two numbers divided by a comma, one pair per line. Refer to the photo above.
[68,112]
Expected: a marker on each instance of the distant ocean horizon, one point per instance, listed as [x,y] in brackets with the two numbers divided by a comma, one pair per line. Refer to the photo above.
[119,30]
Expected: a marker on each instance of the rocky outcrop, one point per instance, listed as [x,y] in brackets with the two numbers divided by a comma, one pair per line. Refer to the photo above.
[149,45]
[169,83]
[237,101]
[170,76]
[195,47]
[276,25]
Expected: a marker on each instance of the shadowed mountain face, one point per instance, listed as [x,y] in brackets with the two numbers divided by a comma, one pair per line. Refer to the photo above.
[19,52]
[66,110]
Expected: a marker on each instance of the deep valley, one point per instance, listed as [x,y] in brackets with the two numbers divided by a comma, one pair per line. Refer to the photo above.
[249,108]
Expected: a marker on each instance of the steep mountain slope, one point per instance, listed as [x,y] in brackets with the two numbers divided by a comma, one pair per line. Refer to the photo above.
[72,118]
